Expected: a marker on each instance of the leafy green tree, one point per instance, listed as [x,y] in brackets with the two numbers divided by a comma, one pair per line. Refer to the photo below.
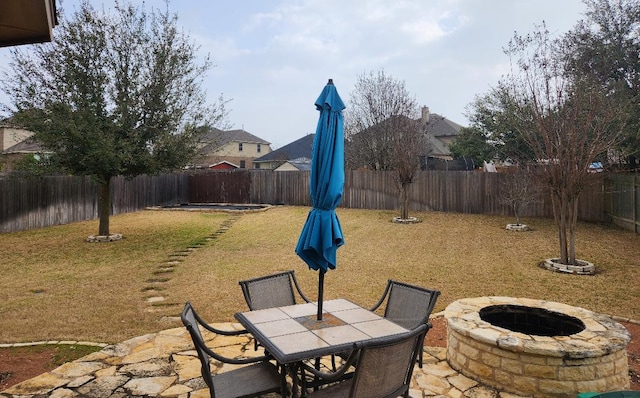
[472,143]
[493,115]
[113,94]
[605,46]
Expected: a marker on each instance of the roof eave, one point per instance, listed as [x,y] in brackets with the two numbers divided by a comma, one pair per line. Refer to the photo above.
[27,21]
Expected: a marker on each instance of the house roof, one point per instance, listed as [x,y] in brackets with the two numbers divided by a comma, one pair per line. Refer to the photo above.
[438,132]
[26,146]
[216,138]
[302,164]
[440,126]
[300,148]
[224,162]
[436,146]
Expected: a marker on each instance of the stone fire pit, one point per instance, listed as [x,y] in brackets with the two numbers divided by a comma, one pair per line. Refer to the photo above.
[536,348]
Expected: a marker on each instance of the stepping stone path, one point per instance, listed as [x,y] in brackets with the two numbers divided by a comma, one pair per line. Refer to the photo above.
[156,294]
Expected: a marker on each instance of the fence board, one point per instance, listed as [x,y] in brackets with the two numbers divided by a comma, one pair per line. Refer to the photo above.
[623,201]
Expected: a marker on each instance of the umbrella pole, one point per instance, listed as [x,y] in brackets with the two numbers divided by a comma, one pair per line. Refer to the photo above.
[320,293]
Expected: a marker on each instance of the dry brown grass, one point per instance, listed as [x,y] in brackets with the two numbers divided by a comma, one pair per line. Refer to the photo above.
[95,291]
[55,285]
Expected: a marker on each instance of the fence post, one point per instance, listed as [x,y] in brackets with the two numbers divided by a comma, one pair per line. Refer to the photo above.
[636,204]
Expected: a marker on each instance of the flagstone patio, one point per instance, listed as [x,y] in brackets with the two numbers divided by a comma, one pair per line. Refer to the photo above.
[164,364]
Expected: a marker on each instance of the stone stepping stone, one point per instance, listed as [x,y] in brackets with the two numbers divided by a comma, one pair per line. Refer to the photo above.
[158,280]
[155,299]
[163,271]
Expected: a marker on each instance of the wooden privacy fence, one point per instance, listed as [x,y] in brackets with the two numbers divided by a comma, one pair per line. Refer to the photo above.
[220,187]
[623,201]
[41,202]
[26,204]
[446,191]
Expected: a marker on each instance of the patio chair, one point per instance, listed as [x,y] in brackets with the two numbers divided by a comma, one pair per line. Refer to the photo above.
[258,378]
[407,305]
[275,290]
[384,370]
[270,291]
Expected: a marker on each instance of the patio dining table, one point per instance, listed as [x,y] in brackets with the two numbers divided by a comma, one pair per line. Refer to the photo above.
[292,333]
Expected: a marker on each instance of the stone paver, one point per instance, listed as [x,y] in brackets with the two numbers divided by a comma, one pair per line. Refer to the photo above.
[165,364]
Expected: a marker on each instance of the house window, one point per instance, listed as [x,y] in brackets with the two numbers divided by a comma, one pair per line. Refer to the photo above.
[242,163]
[240,146]
[258,148]
[257,165]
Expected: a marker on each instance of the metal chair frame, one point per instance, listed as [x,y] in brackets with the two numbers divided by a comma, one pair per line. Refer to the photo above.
[371,379]
[396,304]
[287,296]
[258,378]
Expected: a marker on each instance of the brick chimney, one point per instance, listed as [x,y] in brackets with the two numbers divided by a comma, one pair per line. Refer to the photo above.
[425,115]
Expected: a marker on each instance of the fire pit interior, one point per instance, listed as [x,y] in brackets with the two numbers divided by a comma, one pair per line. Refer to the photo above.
[536,348]
[531,320]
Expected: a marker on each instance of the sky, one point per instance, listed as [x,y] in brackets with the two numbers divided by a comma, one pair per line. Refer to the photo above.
[272,58]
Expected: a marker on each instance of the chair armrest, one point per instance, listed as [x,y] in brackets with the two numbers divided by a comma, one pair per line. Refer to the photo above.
[382,298]
[295,283]
[234,361]
[216,330]
[338,373]
[224,332]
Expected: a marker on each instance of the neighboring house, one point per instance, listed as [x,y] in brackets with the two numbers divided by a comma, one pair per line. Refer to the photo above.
[299,149]
[235,147]
[440,133]
[224,165]
[10,136]
[300,164]
[14,145]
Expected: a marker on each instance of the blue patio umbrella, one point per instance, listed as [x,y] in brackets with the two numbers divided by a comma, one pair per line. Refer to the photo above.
[322,234]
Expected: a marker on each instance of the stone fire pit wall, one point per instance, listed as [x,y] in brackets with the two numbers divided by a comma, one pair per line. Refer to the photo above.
[594,359]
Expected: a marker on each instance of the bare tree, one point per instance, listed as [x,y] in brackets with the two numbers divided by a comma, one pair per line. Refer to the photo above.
[407,146]
[383,132]
[518,190]
[567,122]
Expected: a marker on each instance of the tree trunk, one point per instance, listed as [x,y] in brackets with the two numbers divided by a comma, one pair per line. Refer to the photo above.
[560,216]
[573,220]
[104,208]
[564,226]
[404,205]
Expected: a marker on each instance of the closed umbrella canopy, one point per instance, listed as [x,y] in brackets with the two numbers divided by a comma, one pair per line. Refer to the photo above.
[322,234]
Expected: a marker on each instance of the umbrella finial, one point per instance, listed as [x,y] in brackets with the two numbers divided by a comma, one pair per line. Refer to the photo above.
[330,83]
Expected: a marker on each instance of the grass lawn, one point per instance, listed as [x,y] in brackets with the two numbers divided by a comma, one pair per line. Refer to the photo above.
[54,285]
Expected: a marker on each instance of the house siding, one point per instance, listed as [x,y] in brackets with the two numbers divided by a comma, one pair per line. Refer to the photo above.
[249,149]
[10,136]
[286,166]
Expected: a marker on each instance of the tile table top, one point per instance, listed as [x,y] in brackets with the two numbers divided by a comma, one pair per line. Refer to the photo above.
[293,333]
